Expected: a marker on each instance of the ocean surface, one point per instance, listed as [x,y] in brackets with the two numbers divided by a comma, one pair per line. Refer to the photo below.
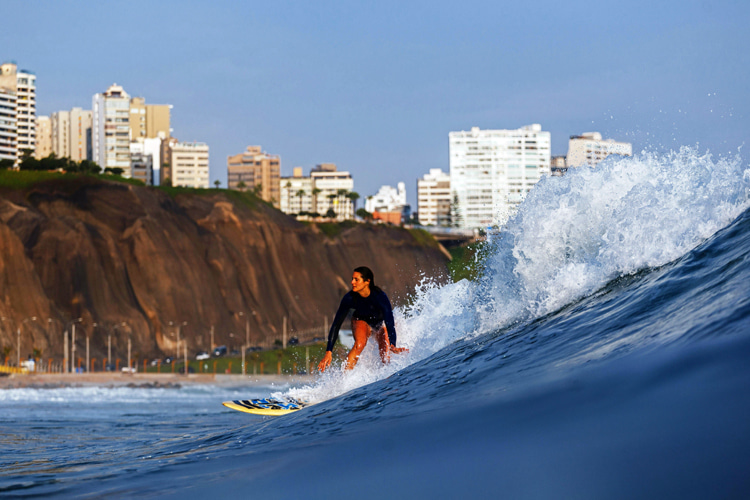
[604,353]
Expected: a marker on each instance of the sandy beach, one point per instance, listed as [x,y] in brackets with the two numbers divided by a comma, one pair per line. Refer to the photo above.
[145,380]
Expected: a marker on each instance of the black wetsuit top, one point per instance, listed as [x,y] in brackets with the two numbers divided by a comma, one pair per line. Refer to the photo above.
[375,309]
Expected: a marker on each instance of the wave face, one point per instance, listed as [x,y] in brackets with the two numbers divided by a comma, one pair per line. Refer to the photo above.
[603,354]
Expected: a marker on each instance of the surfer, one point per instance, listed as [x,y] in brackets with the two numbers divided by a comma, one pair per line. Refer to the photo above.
[372,313]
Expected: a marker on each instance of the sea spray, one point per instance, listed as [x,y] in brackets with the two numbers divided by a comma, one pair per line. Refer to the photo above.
[570,237]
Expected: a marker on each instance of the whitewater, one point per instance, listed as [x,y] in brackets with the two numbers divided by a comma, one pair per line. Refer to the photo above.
[602,353]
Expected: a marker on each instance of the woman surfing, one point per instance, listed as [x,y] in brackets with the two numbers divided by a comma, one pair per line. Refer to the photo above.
[372,313]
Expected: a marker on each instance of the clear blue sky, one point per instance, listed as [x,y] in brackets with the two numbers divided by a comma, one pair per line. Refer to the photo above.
[375,87]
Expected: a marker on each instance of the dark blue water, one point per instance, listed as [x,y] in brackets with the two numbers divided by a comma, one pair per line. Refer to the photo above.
[618,366]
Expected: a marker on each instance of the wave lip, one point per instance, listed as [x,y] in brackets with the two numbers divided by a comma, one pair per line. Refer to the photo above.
[576,233]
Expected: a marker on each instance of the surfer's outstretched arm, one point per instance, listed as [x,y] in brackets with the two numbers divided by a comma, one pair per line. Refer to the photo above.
[333,333]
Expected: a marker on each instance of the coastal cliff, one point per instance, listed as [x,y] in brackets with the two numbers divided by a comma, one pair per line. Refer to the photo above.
[129,260]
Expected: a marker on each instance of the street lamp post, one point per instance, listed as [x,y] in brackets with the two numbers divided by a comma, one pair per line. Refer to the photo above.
[179,327]
[247,328]
[73,344]
[88,365]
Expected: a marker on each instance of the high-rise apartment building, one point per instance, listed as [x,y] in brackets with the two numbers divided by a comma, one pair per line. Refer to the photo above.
[296,193]
[590,149]
[492,170]
[43,137]
[81,123]
[111,129]
[26,118]
[434,198]
[254,168]
[68,134]
[147,121]
[8,129]
[22,84]
[189,164]
[60,124]
[325,189]
[330,189]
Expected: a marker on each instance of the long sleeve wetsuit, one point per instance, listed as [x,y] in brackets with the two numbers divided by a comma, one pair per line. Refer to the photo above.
[374,309]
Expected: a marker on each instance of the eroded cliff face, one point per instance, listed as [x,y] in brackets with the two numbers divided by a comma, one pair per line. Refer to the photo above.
[129,260]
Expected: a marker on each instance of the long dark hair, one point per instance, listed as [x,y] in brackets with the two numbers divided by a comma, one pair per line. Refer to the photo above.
[367,275]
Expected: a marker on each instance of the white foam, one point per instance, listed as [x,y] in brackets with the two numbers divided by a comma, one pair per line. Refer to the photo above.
[571,236]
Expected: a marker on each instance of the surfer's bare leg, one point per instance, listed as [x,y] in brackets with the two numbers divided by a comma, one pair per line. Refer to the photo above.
[384,345]
[361,332]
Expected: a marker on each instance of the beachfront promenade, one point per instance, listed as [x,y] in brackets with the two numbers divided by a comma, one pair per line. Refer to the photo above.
[146,379]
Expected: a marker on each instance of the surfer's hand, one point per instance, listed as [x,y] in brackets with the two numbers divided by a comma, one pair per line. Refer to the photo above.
[398,350]
[325,362]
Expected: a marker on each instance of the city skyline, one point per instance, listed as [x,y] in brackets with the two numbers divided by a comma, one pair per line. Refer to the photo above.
[377,89]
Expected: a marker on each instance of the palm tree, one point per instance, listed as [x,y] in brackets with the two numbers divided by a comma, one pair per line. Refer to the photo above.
[300,194]
[289,194]
[217,183]
[331,197]
[315,193]
[341,193]
[354,196]
[241,185]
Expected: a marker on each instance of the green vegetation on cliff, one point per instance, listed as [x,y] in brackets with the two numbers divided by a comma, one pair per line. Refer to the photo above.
[24,179]
[467,261]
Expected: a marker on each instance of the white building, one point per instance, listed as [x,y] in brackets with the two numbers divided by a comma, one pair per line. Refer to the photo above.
[111,129]
[189,164]
[589,149]
[332,188]
[152,148]
[141,163]
[434,198]
[491,171]
[26,112]
[60,129]
[43,137]
[325,189]
[296,193]
[18,101]
[8,128]
[387,199]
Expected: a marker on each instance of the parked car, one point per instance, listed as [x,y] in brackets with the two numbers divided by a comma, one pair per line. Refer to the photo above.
[182,369]
[201,355]
[220,351]
[254,348]
[154,362]
[128,369]
[168,360]
[293,341]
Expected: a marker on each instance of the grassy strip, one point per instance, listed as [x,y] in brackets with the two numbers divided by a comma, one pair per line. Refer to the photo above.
[423,238]
[260,362]
[333,229]
[23,179]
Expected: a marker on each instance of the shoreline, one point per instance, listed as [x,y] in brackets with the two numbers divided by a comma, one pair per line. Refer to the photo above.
[155,380]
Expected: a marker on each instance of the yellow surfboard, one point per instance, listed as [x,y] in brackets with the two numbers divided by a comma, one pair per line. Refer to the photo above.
[272,407]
